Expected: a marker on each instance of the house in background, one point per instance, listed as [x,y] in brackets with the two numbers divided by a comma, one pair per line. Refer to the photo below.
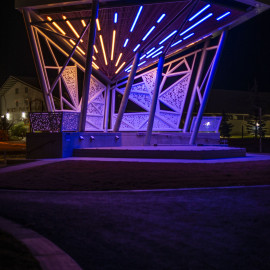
[19,96]
[238,105]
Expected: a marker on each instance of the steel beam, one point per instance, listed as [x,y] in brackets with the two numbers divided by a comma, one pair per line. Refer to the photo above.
[207,89]
[107,107]
[88,68]
[196,84]
[37,60]
[154,101]
[124,101]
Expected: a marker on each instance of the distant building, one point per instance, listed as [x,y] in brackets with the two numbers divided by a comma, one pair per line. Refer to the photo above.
[19,96]
[239,105]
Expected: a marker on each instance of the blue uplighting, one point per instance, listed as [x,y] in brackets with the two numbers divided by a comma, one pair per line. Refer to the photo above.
[190,35]
[197,23]
[148,33]
[154,52]
[177,42]
[199,12]
[141,63]
[115,17]
[126,42]
[223,15]
[171,34]
[136,18]
[151,50]
[161,18]
[135,49]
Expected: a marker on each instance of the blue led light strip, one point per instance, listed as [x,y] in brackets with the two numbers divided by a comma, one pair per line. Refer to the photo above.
[190,35]
[171,34]
[177,42]
[141,63]
[223,15]
[199,12]
[161,18]
[142,56]
[126,42]
[128,68]
[156,54]
[151,50]
[115,17]
[148,33]
[135,49]
[136,18]
[197,23]
[160,48]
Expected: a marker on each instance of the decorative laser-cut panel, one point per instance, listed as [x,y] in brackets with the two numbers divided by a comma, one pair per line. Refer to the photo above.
[208,123]
[96,106]
[173,96]
[70,80]
[70,121]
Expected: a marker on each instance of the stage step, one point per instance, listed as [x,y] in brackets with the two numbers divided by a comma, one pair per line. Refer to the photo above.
[162,152]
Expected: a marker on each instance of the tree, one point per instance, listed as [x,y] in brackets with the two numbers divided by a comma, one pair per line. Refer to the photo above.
[255,126]
[225,128]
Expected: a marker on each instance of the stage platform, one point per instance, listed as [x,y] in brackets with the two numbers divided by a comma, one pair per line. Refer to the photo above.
[162,152]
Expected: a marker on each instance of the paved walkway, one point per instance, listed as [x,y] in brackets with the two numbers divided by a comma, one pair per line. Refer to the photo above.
[249,157]
[213,228]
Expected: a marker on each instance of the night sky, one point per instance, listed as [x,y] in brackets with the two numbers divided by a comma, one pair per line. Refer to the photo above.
[245,57]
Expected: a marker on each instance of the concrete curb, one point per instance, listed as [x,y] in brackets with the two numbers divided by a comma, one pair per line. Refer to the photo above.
[46,253]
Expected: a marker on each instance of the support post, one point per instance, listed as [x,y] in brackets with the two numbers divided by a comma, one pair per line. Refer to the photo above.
[124,101]
[107,107]
[154,101]
[37,60]
[88,67]
[207,90]
[194,91]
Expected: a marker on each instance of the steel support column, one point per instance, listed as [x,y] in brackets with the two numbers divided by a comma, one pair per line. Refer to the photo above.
[107,107]
[37,60]
[124,101]
[207,90]
[194,91]
[88,65]
[154,101]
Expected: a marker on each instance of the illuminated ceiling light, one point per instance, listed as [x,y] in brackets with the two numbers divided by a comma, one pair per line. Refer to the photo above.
[57,26]
[83,23]
[113,44]
[98,25]
[136,48]
[120,68]
[151,50]
[115,17]
[171,34]
[223,15]
[78,48]
[126,42]
[154,52]
[103,49]
[197,23]
[142,57]
[199,12]
[95,48]
[95,66]
[190,35]
[141,63]
[128,68]
[177,42]
[161,18]
[118,60]
[71,27]
[94,57]
[148,33]
[136,19]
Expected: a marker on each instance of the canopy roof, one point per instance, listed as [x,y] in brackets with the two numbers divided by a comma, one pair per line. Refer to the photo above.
[125,27]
